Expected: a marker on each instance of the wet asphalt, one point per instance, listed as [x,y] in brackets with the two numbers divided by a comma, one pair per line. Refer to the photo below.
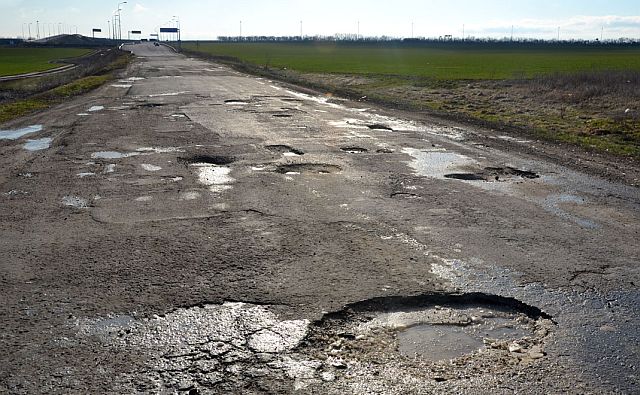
[190,228]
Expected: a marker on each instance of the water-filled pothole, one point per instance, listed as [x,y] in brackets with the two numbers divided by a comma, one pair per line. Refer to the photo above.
[354,150]
[494,174]
[307,168]
[208,159]
[283,149]
[432,327]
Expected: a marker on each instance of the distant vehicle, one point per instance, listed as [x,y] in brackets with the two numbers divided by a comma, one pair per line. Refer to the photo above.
[156,44]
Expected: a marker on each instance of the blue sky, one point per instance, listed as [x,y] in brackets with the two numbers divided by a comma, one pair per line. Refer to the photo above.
[430,18]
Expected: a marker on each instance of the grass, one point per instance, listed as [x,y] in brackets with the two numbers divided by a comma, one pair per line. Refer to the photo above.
[588,96]
[40,101]
[27,60]
[435,61]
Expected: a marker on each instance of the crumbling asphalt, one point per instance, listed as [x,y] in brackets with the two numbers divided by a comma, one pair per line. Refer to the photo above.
[190,229]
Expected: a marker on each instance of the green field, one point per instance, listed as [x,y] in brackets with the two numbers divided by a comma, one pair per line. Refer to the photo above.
[445,62]
[26,60]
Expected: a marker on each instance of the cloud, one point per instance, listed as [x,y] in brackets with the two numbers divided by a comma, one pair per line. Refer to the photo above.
[577,26]
[138,8]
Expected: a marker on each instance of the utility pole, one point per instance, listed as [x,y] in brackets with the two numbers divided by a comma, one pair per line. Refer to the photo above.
[59,27]
[511,32]
[109,29]
[411,29]
[558,33]
[602,33]
[38,27]
[358,35]
[240,29]
[23,30]
[29,31]
[300,30]
[463,32]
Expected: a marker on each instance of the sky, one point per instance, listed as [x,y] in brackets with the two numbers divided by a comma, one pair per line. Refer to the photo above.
[576,19]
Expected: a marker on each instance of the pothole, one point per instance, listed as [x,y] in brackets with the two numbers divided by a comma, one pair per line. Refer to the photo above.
[494,174]
[379,126]
[283,149]
[354,150]
[384,151]
[433,328]
[282,115]
[207,159]
[150,105]
[307,168]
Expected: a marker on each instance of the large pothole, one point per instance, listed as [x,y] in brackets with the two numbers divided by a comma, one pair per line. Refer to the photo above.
[433,328]
[494,174]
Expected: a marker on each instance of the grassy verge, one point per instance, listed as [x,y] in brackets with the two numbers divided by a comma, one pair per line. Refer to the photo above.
[593,105]
[18,108]
[27,60]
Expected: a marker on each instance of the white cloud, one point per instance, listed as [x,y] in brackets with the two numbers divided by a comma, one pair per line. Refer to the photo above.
[140,8]
[580,26]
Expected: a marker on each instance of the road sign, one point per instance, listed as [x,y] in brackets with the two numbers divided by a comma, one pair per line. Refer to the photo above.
[97,30]
[168,30]
[136,32]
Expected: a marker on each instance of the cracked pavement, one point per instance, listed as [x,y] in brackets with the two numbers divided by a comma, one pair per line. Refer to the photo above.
[190,229]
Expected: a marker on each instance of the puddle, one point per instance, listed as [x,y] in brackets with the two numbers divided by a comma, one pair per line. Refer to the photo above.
[17,133]
[437,343]
[552,204]
[126,86]
[494,174]
[113,155]
[236,102]
[436,164]
[83,114]
[95,108]
[86,174]
[110,168]
[149,167]
[38,145]
[75,201]
[135,79]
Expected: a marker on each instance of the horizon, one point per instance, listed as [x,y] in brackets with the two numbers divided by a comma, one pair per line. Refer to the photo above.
[492,19]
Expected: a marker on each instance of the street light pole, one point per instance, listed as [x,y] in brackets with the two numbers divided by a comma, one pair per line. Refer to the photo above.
[38,27]
[23,30]
[29,38]
[120,21]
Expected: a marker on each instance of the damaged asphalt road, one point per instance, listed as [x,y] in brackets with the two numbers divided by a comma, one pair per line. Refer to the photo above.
[189,229]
